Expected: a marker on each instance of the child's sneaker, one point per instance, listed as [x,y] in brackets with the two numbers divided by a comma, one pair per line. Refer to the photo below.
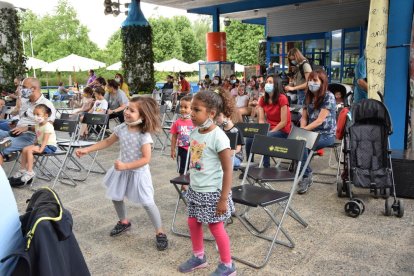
[19,174]
[120,228]
[162,241]
[27,176]
[223,270]
[192,264]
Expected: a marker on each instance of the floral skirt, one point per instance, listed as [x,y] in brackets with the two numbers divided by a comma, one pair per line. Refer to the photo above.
[202,206]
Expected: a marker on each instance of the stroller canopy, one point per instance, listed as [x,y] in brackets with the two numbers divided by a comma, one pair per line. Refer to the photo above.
[370,110]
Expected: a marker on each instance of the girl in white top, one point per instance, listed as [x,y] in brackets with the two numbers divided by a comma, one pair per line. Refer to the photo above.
[130,176]
[209,195]
[45,143]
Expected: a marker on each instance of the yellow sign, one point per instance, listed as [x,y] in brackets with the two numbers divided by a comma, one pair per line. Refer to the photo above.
[250,129]
[376,47]
[278,149]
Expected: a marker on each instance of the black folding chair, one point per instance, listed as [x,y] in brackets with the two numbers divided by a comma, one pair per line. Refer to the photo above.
[58,159]
[249,130]
[253,196]
[98,123]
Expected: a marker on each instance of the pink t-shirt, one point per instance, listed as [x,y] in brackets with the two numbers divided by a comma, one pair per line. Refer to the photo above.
[183,128]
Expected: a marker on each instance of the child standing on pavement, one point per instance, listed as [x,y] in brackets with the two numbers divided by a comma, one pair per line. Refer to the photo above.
[209,196]
[180,131]
[45,143]
[130,176]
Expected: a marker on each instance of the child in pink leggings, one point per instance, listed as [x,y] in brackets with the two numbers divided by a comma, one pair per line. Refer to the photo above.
[209,196]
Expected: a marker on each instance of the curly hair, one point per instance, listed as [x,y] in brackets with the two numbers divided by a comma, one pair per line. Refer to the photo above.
[149,111]
[219,101]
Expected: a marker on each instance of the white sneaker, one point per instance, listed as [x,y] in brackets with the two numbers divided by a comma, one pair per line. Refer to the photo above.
[19,174]
[27,176]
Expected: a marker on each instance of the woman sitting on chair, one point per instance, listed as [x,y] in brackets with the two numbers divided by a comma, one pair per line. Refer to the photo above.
[274,106]
[318,115]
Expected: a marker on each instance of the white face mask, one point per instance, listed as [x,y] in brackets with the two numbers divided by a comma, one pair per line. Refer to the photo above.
[26,92]
[206,124]
[39,119]
[137,122]
[185,116]
[215,81]
[118,80]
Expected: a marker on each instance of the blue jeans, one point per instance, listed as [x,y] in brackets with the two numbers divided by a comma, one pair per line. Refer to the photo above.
[278,134]
[18,143]
[301,97]
[266,160]
[236,162]
[324,141]
[4,125]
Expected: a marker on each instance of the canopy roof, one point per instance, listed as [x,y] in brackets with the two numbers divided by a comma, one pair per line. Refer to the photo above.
[73,63]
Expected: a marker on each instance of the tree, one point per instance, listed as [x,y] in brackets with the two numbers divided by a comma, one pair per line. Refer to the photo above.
[190,46]
[166,42]
[58,35]
[243,42]
[201,27]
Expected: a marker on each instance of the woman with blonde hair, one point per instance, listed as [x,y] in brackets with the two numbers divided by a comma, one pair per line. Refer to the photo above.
[302,70]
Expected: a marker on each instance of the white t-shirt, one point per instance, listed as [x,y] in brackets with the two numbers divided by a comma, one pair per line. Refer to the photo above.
[206,174]
[26,111]
[40,133]
[242,101]
[100,107]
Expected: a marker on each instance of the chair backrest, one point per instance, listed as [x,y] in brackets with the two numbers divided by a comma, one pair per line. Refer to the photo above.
[95,119]
[68,116]
[163,109]
[249,130]
[233,139]
[278,147]
[65,125]
[311,138]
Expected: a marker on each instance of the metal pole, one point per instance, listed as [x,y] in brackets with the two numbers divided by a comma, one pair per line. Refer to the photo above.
[31,46]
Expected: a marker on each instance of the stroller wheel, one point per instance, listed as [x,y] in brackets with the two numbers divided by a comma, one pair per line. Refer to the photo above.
[400,208]
[377,192]
[361,203]
[353,209]
[388,207]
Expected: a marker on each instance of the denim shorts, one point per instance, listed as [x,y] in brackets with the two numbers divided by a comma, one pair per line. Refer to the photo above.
[49,149]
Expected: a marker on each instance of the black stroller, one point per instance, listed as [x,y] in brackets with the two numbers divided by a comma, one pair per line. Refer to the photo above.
[367,158]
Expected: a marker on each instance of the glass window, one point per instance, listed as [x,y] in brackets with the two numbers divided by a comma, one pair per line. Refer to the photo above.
[275,48]
[293,44]
[336,56]
[316,45]
[351,56]
[352,39]
[335,74]
[348,75]
[336,39]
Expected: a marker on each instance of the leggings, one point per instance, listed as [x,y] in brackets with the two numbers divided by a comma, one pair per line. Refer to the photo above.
[152,211]
[219,233]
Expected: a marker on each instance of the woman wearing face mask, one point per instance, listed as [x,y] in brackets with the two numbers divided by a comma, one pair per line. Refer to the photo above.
[215,83]
[122,85]
[318,115]
[303,69]
[275,106]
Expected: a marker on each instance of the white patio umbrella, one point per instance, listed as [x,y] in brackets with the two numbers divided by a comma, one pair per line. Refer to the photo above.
[34,63]
[238,67]
[73,63]
[196,65]
[115,67]
[173,65]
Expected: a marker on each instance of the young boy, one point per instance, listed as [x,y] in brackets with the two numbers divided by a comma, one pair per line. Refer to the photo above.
[99,107]
[180,131]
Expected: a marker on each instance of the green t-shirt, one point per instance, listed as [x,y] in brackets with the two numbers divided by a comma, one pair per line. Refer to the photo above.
[206,174]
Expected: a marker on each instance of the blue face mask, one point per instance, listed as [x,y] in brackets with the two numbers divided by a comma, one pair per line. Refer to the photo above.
[269,88]
[26,92]
[232,81]
[313,86]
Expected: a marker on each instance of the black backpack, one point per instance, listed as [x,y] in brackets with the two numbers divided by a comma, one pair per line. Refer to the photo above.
[312,65]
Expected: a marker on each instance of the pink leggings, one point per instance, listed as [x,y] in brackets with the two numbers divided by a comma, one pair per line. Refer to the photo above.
[219,233]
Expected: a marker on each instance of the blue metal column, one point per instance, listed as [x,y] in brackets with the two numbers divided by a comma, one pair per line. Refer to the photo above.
[396,79]
[216,21]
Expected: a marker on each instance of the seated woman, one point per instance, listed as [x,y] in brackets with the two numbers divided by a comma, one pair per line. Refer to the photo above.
[274,106]
[63,92]
[122,84]
[318,115]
